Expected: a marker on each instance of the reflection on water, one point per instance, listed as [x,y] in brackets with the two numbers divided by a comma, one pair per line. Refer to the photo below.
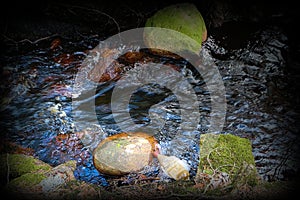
[37,105]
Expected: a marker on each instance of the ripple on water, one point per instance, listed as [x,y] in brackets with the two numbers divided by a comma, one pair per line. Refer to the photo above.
[38,107]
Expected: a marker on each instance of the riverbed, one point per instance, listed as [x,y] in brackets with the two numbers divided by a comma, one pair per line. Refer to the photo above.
[256,56]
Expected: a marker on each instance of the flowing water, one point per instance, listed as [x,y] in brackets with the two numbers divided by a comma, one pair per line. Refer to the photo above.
[260,93]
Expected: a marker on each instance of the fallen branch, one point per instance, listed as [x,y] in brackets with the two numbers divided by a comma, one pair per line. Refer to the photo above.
[29,41]
[99,12]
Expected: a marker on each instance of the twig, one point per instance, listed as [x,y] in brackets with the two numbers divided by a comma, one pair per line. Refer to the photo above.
[100,12]
[27,40]
[214,170]
[227,165]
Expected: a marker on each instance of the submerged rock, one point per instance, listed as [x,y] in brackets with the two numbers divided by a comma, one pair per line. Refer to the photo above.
[183,18]
[124,153]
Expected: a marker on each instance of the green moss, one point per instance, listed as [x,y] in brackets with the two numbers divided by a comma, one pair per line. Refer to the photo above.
[230,154]
[18,164]
[184,18]
[26,181]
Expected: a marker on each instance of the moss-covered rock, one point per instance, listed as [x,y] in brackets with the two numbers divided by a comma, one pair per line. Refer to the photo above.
[19,164]
[183,18]
[58,176]
[27,176]
[26,183]
[226,158]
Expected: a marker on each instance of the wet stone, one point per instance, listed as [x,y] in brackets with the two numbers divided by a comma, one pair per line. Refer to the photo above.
[124,153]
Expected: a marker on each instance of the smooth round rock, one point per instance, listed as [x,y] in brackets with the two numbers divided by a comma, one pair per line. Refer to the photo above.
[124,153]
